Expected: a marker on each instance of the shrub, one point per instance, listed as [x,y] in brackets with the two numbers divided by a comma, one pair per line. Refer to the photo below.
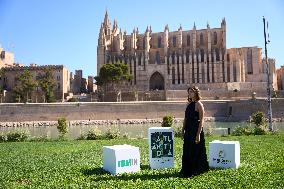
[260,124]
[258,118]
[112,133]
[167,121]
[3,137]
[94,134]
[238,131]
[62,126]
[259,131]
[17,135]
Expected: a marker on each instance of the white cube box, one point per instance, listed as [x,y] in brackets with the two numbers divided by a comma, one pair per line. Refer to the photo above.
[224,154]
[121,159]
[161,147]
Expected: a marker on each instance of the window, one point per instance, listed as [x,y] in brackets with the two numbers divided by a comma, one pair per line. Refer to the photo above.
[217,54]
[201,39]
[202,55]
[159,42]
[187,56]
[158,57]
[174,41]
[188,40]
[58,78]
[249,62]
[58,86]
[144,44]
[215,38]
[139,59]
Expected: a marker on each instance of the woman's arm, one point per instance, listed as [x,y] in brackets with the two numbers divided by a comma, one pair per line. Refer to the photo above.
[200,109]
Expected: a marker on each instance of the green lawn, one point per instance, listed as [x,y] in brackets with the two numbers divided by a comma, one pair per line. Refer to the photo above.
[77,164]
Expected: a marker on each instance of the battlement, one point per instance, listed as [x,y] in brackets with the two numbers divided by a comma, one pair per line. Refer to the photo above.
[20,68]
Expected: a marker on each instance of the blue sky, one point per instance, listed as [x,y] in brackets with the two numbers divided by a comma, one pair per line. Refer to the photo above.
[66,31]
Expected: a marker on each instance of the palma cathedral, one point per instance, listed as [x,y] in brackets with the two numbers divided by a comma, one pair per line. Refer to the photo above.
[174,60]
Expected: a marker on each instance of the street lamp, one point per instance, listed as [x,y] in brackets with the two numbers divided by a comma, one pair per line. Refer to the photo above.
[268,78]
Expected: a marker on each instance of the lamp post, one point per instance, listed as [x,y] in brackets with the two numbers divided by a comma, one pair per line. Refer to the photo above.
[268,79]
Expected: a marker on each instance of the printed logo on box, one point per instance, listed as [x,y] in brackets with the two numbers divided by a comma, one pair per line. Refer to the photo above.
[161,144]
[127,163]
[221,158]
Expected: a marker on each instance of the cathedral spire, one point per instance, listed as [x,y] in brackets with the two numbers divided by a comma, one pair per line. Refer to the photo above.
[223,21]
[147,29]
[194,27]
[107,24]
[167,27]
[180,27]
[208,26]
[106,19]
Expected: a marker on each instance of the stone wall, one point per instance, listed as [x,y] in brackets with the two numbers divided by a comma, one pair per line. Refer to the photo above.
[226,109]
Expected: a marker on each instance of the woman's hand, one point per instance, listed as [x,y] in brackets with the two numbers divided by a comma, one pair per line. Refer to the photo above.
[197,139]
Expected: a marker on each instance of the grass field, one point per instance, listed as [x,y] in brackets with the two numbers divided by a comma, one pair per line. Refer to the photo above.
[77,164]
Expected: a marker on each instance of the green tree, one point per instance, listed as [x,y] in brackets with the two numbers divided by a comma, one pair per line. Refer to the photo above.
[47,84]
[25,85]
[114,76]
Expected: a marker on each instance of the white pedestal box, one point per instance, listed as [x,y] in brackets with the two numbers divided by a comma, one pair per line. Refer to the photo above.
[161,147]
[121,159]
[224,154]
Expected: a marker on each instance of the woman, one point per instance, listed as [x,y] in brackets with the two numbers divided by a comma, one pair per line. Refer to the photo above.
[194,158]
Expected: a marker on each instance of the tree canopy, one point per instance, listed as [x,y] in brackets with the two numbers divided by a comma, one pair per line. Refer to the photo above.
[24,86]
[47,84]
[113,74]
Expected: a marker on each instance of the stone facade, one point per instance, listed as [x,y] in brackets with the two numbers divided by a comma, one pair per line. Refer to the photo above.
[280,78]
[60,73]
[6,58]
[177,59]
[228,110]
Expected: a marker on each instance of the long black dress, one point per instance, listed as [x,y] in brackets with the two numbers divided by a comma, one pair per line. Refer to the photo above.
[194,158]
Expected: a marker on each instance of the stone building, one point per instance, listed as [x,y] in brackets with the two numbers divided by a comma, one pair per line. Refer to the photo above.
[174,60]
[79,84]
[6,58]
[60,73]
[280,78]
[90,84]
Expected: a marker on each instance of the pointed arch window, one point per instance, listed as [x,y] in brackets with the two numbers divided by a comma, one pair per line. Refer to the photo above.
[201,39]
[188,40]
[215,38]
[217,54]
[202,55]
[187,56]
[159,42]
[174,41]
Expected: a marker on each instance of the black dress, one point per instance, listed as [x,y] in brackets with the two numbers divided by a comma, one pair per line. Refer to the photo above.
[194,158]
